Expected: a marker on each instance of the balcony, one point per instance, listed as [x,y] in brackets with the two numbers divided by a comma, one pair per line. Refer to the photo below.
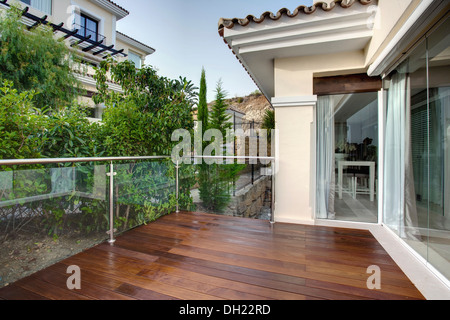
[91,33]
[145,228]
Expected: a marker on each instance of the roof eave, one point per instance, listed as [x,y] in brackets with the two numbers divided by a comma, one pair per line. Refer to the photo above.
[308,10]
[112,7]
[250,42]
[133,42]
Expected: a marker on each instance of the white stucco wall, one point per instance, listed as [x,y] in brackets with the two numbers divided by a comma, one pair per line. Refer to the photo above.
[293,183]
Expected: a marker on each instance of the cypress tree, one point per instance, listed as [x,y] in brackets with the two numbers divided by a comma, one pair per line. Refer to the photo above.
[219,119]
[202,110]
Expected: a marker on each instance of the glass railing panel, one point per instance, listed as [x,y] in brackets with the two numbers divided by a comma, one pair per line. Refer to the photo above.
[233,189]
[48,213]
[143,192]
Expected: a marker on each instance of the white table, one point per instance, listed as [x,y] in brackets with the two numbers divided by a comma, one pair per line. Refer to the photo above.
[371,165]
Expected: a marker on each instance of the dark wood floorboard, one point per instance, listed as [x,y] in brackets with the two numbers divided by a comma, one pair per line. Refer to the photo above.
[196,256]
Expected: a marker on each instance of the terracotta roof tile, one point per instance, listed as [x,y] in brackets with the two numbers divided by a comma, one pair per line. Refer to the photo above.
[230,23]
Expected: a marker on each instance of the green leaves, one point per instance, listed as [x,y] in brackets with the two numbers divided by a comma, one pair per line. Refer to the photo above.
[202,109]
[269,122]
[218,118]
[140,121]
[19,125]
[35,60]
[38,119]
[215,180]
[69,134]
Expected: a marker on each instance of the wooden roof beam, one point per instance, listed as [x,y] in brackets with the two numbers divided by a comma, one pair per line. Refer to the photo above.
[93,46]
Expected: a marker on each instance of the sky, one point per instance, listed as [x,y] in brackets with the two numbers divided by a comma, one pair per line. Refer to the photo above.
[185,36]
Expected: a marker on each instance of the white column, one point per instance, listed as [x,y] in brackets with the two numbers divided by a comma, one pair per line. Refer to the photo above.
[295,156]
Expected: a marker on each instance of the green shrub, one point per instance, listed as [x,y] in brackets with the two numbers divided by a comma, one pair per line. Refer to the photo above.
[35,60]
[20,124]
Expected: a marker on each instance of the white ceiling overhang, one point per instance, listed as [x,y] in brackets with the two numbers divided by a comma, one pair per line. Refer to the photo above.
[324,32]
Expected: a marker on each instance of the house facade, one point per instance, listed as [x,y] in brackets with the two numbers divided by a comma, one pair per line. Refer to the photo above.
[89,28]
[361,95]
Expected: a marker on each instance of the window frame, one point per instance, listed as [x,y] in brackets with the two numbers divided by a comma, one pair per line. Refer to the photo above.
[86,18]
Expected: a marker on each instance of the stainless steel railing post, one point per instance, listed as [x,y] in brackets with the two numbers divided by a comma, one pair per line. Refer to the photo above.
[177,186]
[272,216]
[111,175]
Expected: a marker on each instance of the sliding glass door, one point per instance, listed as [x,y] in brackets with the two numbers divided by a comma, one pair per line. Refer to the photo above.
[417,161]
[347,157]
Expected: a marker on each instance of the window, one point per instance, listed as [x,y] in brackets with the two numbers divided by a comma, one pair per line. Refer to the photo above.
[88,27]
[43,5]
[135,58]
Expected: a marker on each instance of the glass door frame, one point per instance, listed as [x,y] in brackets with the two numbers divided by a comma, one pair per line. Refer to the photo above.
[382,109]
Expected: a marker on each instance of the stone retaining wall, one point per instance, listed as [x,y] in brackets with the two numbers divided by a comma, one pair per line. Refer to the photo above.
[251,201]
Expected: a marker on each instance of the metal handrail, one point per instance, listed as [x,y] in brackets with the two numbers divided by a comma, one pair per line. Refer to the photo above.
[18,162]
[79,27]
[233,157]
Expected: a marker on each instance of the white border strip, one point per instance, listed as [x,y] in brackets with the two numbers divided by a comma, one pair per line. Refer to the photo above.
[425,277]
[294,101]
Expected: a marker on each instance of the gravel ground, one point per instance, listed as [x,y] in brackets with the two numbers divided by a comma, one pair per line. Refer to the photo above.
[22,255]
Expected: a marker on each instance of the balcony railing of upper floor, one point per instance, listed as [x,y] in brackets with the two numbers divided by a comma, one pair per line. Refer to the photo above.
[86,32]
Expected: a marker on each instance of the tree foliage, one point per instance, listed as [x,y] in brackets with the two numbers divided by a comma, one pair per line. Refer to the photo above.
[215,180]
[269,122]
[19,124]
[69,134]
[35,60]
[202,108]
[140,121]
[187,88]
[218,118]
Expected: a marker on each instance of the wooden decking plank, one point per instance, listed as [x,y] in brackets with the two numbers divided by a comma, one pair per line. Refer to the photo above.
[141,293]
[362,292]
[172,278]
[248,250]
[269,265]
[48,290]
[15,292]
[197,256]
[272,289]
[90,287]
[128,275]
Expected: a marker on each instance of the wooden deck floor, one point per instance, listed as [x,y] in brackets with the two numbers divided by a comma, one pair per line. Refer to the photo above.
[194,256]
